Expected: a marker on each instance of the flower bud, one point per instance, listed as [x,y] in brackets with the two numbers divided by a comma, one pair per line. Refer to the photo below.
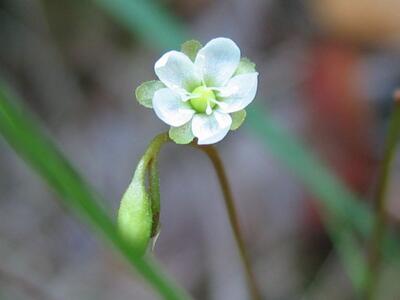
[135,216]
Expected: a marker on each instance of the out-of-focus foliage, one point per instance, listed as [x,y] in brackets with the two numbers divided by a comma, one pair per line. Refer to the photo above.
[148,19]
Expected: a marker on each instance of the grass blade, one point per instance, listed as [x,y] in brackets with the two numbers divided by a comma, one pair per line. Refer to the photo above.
[344,212]
[381,222]
[147,19]
[24,136]
[338,202]
[335,196]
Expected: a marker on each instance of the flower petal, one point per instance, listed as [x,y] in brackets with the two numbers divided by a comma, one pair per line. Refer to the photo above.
[217,61]
[238,92]
[177,71]
[171,109]
[211,129]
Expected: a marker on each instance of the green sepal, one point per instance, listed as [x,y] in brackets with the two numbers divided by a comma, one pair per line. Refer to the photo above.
[154,191]
[145,92]
[245,66]
[190,48]
[135,215]
[238,118]
[182,134]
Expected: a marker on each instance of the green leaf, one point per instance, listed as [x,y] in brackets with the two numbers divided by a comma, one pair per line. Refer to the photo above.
[238,119]
[182,134]
[245,66]
[190,48]
[23,134]
[145,92]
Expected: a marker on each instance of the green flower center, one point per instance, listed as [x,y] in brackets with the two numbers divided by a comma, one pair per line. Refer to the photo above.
[204,97]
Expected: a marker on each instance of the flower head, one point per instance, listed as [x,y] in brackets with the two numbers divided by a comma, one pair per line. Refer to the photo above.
[202,91]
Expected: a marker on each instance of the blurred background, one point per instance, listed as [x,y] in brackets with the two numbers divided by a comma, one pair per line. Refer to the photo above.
[328,69]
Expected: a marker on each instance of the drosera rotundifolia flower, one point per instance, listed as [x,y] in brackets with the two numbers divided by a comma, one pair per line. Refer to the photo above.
[201,91]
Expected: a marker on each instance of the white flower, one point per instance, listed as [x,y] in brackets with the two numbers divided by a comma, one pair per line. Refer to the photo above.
[200,96]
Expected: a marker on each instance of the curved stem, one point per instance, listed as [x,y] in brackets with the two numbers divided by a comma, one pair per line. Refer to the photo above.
[150,157]
[153,149]
[379,230]
[233,218]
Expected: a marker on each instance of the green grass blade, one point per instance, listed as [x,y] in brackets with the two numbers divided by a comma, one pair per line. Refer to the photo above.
[335,196]
[22,133]
[339,203]
[147,19]
[381,222]
[344,211]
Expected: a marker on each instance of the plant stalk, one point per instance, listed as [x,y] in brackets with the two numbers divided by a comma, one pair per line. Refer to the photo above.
[380,226]
[151,155]
[233,219]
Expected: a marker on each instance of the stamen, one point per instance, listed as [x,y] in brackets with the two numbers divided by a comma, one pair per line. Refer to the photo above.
[186,96]
[208,109]
[221,104]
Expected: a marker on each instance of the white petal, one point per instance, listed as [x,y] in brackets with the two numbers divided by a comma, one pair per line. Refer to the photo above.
[177,71]
[170,108]
[238,92]
[211,129]
[217,61]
